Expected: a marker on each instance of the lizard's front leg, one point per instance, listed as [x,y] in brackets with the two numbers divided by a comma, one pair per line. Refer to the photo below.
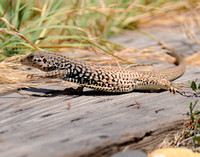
[52,74]
[61,74]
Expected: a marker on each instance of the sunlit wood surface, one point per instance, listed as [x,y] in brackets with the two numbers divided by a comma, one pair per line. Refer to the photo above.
[50,123]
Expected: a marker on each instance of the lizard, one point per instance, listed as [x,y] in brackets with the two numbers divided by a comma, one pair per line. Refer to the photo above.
[105,79]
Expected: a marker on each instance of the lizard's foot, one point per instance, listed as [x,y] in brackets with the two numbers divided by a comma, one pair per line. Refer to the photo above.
[173,90]
[175,87]
[71,90]
[31,76]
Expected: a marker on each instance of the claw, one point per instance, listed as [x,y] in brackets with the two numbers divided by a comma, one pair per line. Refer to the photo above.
[172,90]
[175,88]
[31,76]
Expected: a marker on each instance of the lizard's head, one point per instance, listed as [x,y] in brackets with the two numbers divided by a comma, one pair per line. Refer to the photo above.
[41,60]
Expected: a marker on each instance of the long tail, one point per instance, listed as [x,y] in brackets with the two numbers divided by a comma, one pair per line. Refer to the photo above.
[175,72]
[171,73]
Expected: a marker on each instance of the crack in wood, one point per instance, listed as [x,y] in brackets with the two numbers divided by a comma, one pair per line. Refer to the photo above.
[76,119]
[149,141]
[114,148]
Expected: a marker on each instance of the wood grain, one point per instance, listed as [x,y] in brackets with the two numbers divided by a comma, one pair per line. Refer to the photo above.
[51,123]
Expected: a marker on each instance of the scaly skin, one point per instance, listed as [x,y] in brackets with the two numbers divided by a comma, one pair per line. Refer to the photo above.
[103,78]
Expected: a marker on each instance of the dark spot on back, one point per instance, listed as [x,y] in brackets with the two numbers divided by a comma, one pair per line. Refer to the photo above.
[44,60]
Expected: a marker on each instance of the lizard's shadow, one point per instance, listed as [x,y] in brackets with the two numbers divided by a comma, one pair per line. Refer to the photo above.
[43,92]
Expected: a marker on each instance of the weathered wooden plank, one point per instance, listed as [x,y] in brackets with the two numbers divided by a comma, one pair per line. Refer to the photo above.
[96,123]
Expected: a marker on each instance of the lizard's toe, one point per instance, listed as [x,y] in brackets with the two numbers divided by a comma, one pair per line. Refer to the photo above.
[173,90]
[31,76]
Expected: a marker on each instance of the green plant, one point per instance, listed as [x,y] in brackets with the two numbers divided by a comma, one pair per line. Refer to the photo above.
[59,24]
[193,127]
[193,114]
[195,87]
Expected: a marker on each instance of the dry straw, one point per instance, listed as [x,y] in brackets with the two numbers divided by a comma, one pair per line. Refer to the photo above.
[13,74]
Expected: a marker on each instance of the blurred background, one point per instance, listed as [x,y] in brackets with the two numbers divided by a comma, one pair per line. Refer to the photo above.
[88,30]
[61,25]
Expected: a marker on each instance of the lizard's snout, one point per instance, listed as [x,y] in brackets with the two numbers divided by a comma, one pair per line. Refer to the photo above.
[23,60]
[27,58]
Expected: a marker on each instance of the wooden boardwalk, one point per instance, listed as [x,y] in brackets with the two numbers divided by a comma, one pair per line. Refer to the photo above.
[94,124]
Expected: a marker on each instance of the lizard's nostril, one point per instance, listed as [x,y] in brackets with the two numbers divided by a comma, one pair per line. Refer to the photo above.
[22,60]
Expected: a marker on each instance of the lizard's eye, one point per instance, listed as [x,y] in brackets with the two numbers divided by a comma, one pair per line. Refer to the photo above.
[31,57]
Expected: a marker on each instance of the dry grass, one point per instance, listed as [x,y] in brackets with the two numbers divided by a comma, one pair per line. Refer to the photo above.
[62,24]
[13,75]
[80,26]
[191,28]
